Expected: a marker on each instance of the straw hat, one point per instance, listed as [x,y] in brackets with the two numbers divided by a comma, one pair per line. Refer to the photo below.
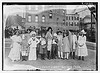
[83,32]
[54,34]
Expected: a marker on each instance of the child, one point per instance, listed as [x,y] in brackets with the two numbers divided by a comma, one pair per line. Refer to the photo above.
[42,46]
[24,51]
[60,37]
[32,43]
[54,50]
[66,46]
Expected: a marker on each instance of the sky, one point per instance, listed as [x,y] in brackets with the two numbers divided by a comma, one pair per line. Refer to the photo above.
[71,9]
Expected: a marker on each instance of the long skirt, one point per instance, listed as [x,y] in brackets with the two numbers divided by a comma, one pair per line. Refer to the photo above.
[32,53]
[82,51]
[49,45]
[15,52]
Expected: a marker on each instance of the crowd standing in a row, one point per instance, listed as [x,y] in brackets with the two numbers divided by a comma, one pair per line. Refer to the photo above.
[57,45]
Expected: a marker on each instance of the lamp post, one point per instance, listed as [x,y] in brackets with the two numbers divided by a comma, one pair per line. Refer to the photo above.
[92,10]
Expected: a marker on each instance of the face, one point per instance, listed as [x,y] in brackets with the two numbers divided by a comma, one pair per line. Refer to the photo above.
[64,34]
[49,30]
[33,35]
[59,33]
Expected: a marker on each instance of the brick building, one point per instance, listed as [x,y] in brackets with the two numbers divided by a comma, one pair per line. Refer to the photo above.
[45,16]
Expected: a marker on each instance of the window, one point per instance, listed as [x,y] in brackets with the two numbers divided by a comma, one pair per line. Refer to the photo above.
[43,18]
[66,23]
[66,17]
[77,18]
[75,23]
[29,18]
[69,23]
[63,21]
[36,18]
[69,17]
[63,11]
[50,14]
[72,17]
[29,7]
[72,24]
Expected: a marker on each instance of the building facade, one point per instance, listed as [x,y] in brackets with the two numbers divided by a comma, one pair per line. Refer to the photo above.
[55,18]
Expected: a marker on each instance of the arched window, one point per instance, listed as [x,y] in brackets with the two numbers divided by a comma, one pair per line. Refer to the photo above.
[63,21]
[50,14]
[36,18]
[29,18]
[43,18]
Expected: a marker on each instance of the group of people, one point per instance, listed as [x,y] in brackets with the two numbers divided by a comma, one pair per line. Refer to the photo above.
[59,45]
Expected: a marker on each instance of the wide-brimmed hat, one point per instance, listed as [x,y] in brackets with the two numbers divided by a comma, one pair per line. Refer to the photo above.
[54,34]
[33,32]
[83,32]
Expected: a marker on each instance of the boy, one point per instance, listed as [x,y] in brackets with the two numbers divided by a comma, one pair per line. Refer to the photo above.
[43,46]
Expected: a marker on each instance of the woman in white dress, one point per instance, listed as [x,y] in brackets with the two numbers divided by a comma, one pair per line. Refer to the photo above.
[33,41]
[14,54]
[82,48]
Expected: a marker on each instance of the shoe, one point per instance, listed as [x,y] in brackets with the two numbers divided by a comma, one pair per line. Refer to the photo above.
[79,58]
[83,58]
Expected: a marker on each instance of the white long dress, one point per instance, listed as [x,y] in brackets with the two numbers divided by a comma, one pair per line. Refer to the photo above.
[82,50]
[15,49]
[33,44]
[49,41]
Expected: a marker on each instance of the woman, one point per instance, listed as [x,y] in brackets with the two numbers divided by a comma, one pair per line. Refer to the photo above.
[49,42]
[14,54]
[32,42]
[66,46]
[82,48]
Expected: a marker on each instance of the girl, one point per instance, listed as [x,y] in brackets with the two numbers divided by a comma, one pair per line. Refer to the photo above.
[60,37]
[66,46]
[54,50]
